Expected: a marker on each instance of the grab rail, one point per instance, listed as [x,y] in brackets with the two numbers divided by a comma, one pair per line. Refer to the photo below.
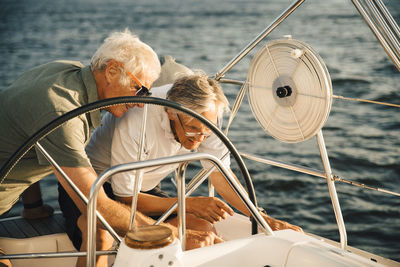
[104,176]
[258,39]
[76,190]
[382,24]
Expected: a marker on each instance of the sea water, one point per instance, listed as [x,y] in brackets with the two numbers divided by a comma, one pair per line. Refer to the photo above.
[362,139]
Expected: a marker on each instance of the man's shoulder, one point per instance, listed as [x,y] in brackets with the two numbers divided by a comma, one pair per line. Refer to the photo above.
[161,91]
[65,63]
[57,65]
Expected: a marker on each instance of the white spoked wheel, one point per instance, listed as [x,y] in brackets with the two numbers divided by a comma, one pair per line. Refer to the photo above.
[290,90]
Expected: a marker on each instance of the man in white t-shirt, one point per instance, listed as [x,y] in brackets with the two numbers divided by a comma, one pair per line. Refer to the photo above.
[170,132]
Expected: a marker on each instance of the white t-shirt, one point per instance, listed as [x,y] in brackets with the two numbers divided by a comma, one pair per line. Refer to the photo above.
[117,141]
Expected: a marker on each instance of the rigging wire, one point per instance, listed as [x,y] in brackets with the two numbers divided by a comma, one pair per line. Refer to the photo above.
[336,178]
[365,100]
[313,172]
[226,80]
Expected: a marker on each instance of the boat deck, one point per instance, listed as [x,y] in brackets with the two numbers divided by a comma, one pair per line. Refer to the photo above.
[18,227]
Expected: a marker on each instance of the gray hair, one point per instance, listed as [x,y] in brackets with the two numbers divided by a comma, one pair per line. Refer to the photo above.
[125,47]
[197,92]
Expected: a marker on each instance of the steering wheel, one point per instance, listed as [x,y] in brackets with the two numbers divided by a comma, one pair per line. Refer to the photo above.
[51,126]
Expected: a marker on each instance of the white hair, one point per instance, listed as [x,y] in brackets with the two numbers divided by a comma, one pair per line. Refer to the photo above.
[125,47]
[198,92]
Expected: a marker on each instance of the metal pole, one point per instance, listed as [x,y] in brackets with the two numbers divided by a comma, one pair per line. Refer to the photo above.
[258,39]
[378,34]
[77,191]
[180,182]
[332,190]
[192,185]
[242,194]
[138,174]
[211,191]
[382,20]
[62,173]
[389,18]
[104,176]
[292,167]
[317,173]
[45,255]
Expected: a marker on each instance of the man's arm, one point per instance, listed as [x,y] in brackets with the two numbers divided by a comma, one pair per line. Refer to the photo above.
[115,213]
[211,209]
[118,214]
[225,190]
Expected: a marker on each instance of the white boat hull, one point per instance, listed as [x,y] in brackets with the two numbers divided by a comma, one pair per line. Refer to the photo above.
[285,248]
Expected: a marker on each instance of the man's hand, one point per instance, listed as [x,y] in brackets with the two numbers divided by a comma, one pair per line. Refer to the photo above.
[276,224]
[210,209]
[199,239]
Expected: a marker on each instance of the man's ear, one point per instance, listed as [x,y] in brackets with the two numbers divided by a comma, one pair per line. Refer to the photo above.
[112,71]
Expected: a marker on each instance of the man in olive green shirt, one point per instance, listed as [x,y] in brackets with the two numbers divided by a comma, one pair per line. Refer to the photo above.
[45,92]
[122,66]
[36,98]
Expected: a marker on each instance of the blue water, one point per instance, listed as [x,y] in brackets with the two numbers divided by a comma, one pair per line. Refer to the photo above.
[362,139]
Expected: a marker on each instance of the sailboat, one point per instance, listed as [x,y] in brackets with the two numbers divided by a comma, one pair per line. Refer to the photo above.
[290,94]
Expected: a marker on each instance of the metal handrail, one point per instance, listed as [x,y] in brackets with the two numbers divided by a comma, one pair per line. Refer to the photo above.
[180,182]
[139,173]
[332,189]
[382,24]
[76,190]
[58,254]
[106,175]
[197,180]
[258,39]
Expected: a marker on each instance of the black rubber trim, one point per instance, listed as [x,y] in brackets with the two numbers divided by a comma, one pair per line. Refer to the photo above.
[51,126]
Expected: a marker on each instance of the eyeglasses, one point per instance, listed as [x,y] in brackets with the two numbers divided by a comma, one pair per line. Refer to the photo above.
[143,90]
[192,134]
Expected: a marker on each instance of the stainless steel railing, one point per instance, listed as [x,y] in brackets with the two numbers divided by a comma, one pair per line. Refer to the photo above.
[382,24]
[103,177]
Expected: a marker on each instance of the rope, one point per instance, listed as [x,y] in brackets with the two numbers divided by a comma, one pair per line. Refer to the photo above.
[298,115]
[273,64]
[365,100]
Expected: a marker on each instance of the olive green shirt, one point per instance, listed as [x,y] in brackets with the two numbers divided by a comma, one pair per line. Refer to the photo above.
[36,98]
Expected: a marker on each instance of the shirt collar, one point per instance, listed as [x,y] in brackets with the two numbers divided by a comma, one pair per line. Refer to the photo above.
[166,126]
[91,87]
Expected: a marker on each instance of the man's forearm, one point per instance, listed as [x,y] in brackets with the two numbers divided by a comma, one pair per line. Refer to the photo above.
[140,219]
[149,204]
[225,190]
[115,213]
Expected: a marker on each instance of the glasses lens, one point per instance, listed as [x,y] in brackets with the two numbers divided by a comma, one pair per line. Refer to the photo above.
[192,134]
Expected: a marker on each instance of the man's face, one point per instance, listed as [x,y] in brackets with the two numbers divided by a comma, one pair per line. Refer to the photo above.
[116,89]
[191,132]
